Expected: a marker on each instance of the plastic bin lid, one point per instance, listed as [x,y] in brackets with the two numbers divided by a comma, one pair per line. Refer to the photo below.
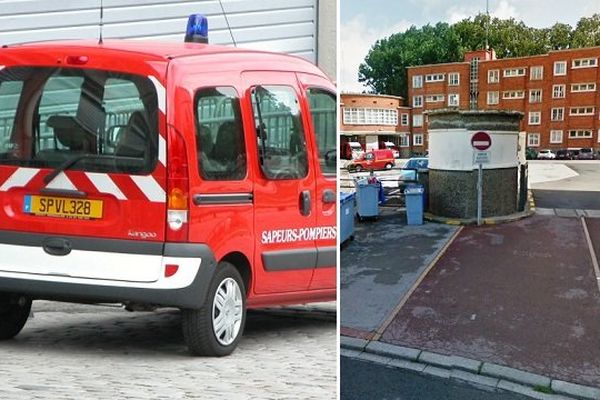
[414,189]
[344,197]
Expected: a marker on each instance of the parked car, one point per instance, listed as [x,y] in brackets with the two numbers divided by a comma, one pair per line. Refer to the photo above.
[410,172]
[564,154]
[546,154]
[586,154]
[373,159]
[531,154]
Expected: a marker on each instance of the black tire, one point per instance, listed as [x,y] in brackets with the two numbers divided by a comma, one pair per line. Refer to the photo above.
[388,166]
[358,168]
[14,311]
[198,331]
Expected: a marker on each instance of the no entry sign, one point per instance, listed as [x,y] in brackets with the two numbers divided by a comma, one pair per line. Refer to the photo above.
[481,141]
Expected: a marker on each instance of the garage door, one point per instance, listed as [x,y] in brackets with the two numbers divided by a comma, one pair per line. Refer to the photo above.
[276,25]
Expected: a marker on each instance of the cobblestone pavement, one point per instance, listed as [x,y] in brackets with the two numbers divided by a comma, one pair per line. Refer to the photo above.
[71,351]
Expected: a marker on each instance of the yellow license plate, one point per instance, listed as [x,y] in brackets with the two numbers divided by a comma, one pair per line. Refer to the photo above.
[62,207]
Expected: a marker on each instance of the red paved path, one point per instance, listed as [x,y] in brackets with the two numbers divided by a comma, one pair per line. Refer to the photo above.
[522,294]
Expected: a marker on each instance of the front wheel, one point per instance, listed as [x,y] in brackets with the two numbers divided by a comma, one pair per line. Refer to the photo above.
[216,328]
[358,168]
[14,311]
[388,166]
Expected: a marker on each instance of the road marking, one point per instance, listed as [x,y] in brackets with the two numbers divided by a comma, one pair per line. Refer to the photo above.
[397,309]
[592,252]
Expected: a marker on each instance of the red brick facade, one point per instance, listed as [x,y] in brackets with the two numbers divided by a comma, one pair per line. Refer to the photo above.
[527,84]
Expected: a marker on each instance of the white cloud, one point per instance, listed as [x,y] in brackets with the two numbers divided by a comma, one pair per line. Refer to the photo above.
[503,9]
[356,38]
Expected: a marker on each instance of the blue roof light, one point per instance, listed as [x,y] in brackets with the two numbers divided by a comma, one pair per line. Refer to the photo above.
[197,29]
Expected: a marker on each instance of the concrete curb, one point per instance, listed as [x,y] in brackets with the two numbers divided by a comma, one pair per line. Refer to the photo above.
[474,372]
[486,221]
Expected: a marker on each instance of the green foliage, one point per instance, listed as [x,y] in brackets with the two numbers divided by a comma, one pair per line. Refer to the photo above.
[384,68]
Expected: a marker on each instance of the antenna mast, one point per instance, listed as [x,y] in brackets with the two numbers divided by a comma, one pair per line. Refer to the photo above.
[487,24]
[227,22]
[101,20]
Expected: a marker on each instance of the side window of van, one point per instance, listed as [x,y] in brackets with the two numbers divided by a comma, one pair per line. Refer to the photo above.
[220,134]
[324,118]
[9,100]
[279,132]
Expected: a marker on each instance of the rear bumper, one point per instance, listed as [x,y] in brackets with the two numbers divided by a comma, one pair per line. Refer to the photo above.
[29,273]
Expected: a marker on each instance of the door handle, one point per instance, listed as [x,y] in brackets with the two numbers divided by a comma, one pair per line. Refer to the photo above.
[57,246]
[328,196]
[305,203]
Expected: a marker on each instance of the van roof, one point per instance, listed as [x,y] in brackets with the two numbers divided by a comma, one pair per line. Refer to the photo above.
[162,51]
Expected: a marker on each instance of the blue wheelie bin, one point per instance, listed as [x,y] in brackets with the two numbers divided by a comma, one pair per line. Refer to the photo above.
[347,216]
[367,199]
[414,204]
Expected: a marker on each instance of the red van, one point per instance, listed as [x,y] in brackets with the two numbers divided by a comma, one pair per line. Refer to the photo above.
[373,159]
[165,174]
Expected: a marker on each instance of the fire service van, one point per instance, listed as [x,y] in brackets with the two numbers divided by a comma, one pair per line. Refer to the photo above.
[165,174]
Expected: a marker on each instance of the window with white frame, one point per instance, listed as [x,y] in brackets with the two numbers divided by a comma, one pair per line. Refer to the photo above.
[558,91]
[417,120]
[370,116]
[404,119]
[453,100]
[580,133]
[583,87]
[513,72]
[493,98]
[404,142]
[493,76]
[581,111]
[417,81]
[434,98]
[584,62]
[558,114]
[535,96]
[556,136]
[533,139]
[536,73]
[513,94]
[453,79]
[417,101]
[560,67]
[418,139]
[535,117]
[434,78]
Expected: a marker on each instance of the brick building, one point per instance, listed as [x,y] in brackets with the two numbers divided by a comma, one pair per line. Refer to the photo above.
[371,119]
[557,92]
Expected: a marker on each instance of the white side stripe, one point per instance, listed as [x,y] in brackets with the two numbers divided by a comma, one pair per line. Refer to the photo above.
[61,182]
[19,178]
[162,150]
[105,184]
[161,93]
[150,188]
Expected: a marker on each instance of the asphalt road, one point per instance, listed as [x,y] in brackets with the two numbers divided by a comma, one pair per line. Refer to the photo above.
[580,191]
[364,380]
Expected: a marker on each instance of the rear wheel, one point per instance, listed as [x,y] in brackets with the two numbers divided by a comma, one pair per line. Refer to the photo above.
[14,311]
[216,328]
[388,166]
[358,168]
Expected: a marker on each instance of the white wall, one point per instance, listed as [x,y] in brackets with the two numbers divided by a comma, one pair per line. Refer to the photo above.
[275,25]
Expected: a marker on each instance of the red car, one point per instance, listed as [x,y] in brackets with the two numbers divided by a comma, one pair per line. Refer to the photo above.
[173,174]
[373,159]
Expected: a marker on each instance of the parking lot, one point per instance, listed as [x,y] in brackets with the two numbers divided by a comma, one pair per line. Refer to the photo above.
[99,352]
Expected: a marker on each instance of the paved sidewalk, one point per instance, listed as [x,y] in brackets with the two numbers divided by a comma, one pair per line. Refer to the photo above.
[522,294]
[381,265]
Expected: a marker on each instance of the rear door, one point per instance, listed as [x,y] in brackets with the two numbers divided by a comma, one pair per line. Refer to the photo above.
[284,188]
[79,157]
[321,101]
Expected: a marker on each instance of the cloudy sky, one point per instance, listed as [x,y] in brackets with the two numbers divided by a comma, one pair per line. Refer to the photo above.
[362,22]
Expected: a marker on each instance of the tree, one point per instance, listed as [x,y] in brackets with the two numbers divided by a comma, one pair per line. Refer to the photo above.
[587,32]
[384,69]
[560,36]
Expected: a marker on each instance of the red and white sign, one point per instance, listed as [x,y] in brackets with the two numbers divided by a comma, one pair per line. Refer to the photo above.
[481,141]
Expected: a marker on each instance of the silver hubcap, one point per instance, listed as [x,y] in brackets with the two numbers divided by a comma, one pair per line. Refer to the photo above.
[227,311]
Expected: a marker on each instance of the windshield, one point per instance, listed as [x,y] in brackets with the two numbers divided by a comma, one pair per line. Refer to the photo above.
[417,164]
[103,121]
